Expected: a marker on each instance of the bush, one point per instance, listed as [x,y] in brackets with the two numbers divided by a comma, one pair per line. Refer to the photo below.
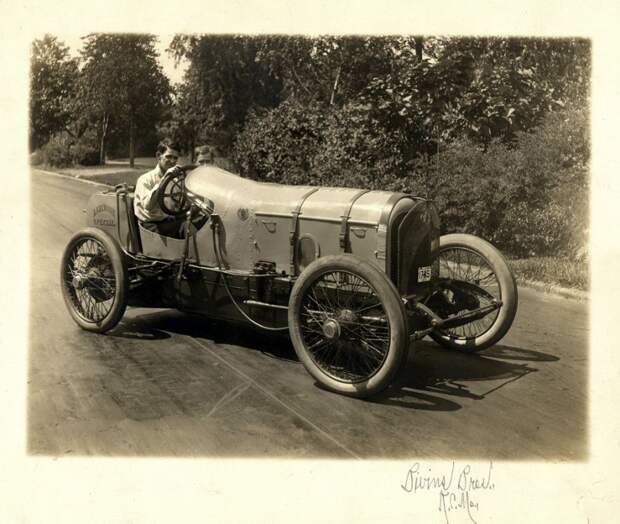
[85,149]
[280,145]
[313,144]
[36,158]
[62,150]
[358,151]
[85,154]
[57,152]
[528,199]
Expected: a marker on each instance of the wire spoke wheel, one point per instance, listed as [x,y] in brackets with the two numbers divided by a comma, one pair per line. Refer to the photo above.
[475,276]
[348,325]
[89,278]
[335,334]
[465,265]
[93,280]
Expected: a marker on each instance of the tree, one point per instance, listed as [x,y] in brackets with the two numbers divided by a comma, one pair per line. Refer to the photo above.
[481,88]
[331,70]
[230,76]
[186,122]
[123,85]
[53,77]
[416,91]
[224,80]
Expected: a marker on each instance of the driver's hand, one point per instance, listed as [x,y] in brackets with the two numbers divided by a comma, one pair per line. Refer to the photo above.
[173,172]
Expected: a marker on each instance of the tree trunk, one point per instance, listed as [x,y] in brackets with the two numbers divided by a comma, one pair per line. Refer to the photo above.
[419,47]
[335,88]
[132,140]
[104,132]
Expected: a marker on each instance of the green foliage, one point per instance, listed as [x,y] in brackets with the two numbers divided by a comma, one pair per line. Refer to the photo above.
[57,151]
[53,76]
[36,158]
[562,271]
[280,144]
[63,150]
[328,70]
[530,198]
[85,154]
[478,88]
[415,93]
[231,77]
[298,143]
[123,89]
[223,82]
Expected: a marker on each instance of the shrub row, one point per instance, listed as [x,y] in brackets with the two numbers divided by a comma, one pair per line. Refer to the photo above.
[529,197]
[310,144]
[62,150]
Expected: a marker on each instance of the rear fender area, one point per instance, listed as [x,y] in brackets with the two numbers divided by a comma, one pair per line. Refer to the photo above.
[112,212]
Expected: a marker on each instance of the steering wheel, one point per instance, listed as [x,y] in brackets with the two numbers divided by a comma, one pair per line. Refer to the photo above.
[172,198]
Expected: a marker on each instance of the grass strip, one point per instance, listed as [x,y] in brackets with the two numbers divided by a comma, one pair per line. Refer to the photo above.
[560,271]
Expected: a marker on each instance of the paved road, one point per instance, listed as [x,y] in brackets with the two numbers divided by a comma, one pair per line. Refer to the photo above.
[167,384]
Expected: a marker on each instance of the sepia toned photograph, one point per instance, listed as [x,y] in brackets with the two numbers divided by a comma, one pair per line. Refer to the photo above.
[326,246]
[305,262]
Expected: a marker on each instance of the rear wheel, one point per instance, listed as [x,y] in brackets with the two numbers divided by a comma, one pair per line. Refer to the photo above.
[348,325]
[477,276]
[93,279]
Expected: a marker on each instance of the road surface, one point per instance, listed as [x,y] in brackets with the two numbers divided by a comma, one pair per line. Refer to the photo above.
[167,384]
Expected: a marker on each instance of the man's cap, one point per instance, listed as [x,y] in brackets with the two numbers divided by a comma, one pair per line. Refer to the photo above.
[203,157]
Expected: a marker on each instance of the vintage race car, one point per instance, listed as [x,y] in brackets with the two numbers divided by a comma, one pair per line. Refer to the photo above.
[354,276]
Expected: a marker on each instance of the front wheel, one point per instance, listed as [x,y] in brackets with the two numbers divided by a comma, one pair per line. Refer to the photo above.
[93,279]
[348,325]
[476,276]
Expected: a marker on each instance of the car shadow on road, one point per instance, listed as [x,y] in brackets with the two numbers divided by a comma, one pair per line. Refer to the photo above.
[219,332]
[136,330]
[434,370]
[430,374]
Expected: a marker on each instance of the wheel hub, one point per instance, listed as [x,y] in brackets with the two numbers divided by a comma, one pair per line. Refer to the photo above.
[346,315]
[331,329]
[95,282]
[78,281]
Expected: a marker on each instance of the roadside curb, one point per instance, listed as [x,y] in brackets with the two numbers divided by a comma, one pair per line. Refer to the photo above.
[555,290]
[72,177]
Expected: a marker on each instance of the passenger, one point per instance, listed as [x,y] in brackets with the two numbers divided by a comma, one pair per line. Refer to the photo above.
[205,155]
[146,198]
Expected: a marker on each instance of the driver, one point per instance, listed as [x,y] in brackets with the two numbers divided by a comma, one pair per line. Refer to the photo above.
[145,204]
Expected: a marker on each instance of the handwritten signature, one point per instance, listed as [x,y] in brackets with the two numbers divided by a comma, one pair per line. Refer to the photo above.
[456,489]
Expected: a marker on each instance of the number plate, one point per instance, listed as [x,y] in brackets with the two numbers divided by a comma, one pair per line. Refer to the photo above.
[424,273]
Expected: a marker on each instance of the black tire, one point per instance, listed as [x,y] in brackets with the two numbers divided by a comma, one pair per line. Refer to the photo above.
[93,279]
[498,284]
[348,325]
